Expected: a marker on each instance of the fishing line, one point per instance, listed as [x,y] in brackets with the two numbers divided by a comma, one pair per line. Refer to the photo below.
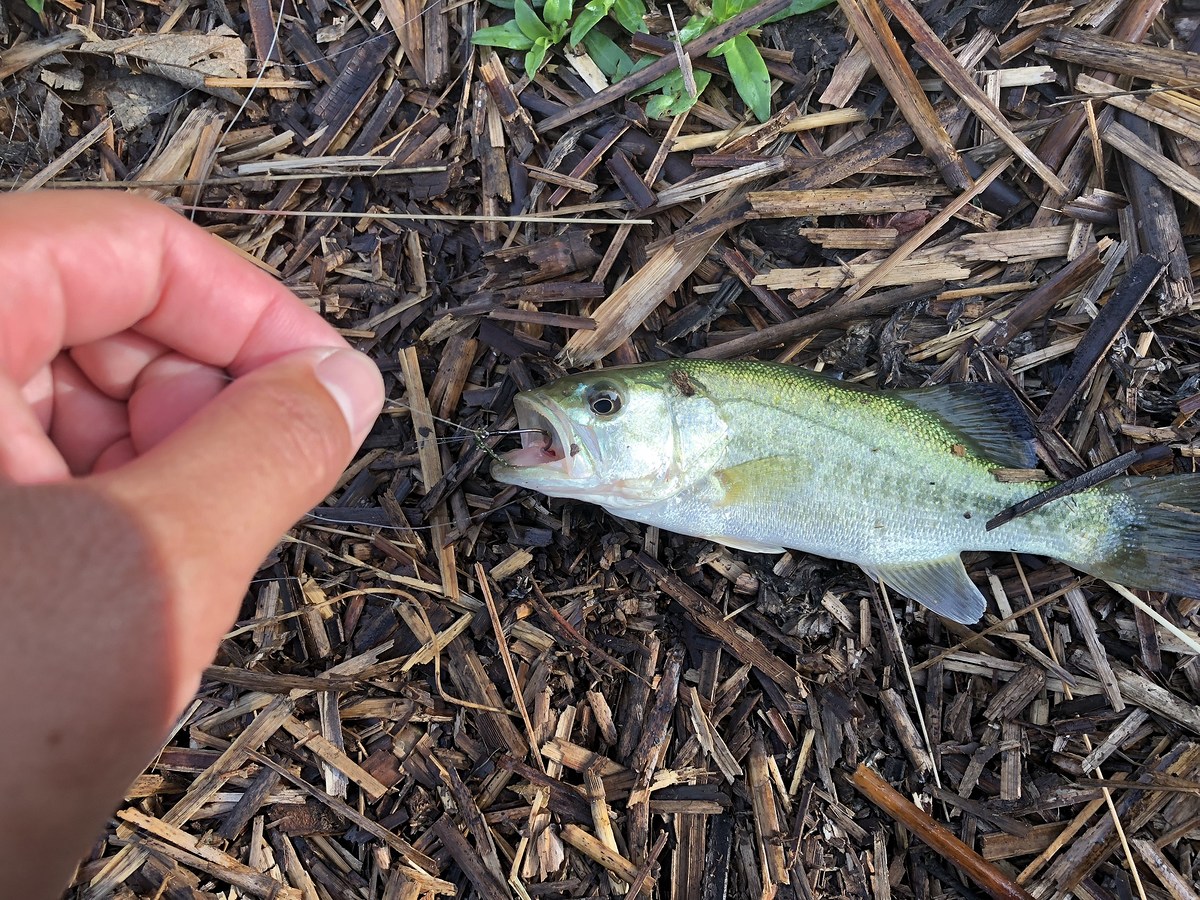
[262,72]
[912,688]
[319,519]
[481,435]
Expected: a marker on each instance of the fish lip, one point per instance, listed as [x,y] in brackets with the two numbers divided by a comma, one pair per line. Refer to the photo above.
[533,416]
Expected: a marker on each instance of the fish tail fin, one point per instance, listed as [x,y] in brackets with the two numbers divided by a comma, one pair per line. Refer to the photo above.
[1155,541]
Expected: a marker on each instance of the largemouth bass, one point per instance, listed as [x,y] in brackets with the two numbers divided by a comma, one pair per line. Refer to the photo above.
[763,457]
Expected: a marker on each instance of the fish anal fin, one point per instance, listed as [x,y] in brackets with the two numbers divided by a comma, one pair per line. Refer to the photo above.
[989,417]
[940,584]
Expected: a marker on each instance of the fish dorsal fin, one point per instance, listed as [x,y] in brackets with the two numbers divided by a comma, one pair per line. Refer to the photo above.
[940,584]
[989,418]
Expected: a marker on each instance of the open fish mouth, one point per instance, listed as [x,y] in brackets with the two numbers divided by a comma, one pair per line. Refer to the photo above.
[544,438]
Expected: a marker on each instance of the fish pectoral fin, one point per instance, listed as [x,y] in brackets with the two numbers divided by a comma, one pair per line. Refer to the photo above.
[758,478]
[748,546]
[940,584]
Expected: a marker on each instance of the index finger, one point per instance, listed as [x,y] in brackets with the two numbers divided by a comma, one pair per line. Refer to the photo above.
[77,266]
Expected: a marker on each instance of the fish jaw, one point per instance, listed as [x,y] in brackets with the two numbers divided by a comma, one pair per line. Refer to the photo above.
[558,463]
[651,443]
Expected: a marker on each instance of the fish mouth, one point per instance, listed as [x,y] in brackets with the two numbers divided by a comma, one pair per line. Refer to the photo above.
[544,438]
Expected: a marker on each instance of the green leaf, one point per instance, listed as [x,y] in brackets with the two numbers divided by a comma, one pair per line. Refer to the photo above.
[588,18]
[797,8]
[507,35]
[642,63]
[739,6]
[800,7]
[536,56]
[630,14]
[675,99]
[749,74]
[608,57]
[694,27]
[671,83]
[657,106]
[687,101]
[529,23]
[720,10]
[628,68]
[36,5]
[584,23]
[557,12]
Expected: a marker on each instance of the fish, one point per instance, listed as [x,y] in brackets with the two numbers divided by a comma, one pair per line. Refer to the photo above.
[764,457]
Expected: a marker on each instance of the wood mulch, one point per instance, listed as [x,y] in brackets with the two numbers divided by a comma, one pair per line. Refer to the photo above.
[443,687]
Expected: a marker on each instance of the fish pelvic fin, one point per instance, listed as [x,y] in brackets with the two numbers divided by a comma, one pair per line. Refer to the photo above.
[1155,543]
[747,545]
[940,584]
[989,417]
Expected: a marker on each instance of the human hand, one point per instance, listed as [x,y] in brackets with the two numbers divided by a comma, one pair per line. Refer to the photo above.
[168,411]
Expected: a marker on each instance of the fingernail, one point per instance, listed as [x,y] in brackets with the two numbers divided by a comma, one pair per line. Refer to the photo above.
[355,383]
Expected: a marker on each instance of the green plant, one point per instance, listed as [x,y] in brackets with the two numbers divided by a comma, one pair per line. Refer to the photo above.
[747,69]
[537,34]
[35,5]
[628,13]
[671,95]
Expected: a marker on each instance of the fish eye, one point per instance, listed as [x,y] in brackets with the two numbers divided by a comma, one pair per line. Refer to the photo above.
[604,401]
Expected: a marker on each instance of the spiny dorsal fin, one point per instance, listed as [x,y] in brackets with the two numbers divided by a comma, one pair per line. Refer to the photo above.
[990,419]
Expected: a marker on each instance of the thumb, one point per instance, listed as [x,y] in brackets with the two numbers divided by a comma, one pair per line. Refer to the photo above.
[216,495]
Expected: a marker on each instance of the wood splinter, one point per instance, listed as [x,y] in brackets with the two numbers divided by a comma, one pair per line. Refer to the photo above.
[1089,479]
[989,878]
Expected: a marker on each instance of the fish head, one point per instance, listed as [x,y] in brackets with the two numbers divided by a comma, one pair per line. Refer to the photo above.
[621,438]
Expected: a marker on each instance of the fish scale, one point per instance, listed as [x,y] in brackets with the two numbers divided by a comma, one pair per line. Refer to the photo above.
[888,455]
[762,457]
